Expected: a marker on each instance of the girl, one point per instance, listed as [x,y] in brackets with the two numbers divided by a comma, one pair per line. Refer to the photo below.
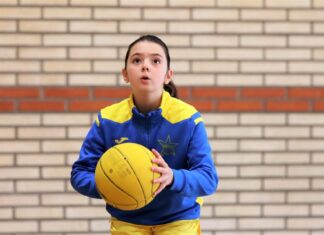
[175,132]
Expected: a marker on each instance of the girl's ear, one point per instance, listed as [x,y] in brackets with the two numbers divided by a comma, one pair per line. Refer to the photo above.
[168,76]
[124,73]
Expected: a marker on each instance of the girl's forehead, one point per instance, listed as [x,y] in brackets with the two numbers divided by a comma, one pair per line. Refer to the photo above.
[147,47]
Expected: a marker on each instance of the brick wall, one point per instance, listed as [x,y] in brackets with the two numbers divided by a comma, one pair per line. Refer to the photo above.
[254,68]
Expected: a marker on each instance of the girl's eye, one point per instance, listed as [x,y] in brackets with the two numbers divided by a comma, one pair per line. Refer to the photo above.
[136,60]
[156,61]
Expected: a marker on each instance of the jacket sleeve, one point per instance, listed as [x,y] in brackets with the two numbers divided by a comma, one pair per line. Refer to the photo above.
[200,178]
[83,170]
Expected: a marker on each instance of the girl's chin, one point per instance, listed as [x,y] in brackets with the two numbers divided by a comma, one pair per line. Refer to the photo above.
[145,82]
[145,90]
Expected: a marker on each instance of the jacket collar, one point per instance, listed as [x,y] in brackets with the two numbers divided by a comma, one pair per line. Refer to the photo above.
[158,113]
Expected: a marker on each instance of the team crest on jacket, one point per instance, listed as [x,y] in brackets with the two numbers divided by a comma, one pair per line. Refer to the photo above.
[168,148]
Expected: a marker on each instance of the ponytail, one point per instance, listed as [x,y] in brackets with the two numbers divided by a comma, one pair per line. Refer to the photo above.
[172,89]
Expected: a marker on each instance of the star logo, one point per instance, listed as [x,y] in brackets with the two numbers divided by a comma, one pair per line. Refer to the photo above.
[168,148]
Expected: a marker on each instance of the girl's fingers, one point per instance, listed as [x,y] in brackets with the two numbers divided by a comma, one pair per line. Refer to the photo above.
[160,188]
[156,153]
[157,169]
[166,174]
[161,179]
[162,185]
[158,159]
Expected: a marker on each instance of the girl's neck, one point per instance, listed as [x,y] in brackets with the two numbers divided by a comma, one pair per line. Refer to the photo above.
[147,102]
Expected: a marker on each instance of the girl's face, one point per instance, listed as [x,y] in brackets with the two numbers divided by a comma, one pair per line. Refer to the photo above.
[147,69]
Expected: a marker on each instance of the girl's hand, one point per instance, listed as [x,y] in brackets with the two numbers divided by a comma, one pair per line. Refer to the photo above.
[166,172]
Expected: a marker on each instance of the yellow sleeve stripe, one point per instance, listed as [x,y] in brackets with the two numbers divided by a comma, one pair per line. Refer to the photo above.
[197,120]
[200,201]
[97,121]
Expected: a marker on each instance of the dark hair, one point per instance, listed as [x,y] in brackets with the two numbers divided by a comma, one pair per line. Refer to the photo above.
[170,87]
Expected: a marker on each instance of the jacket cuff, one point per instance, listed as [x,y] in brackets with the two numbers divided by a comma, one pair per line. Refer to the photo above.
[178,180]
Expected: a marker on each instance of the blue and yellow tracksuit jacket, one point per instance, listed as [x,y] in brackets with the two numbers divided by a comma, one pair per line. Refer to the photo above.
[177,132]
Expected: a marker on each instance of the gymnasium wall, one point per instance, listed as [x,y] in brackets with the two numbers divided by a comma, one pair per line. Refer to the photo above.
[254,68]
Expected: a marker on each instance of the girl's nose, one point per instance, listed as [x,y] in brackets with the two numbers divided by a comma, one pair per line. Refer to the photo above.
[145,68]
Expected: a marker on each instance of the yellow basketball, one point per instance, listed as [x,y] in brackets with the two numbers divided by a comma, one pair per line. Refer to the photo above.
[124,177]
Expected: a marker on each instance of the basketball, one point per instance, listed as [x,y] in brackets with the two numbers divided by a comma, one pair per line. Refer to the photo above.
[124,177]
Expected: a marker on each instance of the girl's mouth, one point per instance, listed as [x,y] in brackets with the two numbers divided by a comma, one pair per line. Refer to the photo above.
[145,78]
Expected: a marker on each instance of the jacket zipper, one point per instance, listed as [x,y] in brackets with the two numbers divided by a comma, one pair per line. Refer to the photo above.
[147,130]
